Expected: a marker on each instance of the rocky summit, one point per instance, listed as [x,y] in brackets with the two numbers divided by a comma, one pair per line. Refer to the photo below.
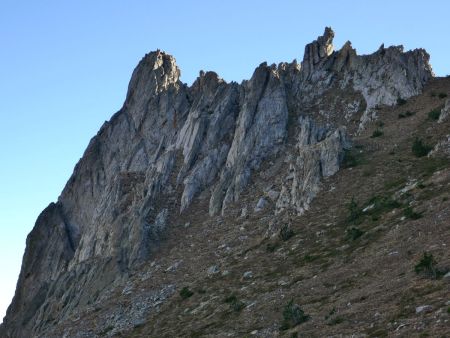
[310,200]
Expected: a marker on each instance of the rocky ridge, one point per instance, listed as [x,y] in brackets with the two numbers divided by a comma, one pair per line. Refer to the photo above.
[171,146]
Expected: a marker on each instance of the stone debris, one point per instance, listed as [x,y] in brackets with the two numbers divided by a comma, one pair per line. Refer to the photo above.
[174,266]
[273,195]
[262,203]
[424,308]
[213,270]
[247,275]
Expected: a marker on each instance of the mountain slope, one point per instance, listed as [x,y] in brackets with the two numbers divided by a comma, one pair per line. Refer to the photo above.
[191,186]
[347,284]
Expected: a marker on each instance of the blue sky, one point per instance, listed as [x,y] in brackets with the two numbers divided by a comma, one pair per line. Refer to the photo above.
[65,67]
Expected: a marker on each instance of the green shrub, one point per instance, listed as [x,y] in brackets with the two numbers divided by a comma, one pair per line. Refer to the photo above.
[395,183]
[230,299]
[376,206]
[442,95]
[351,159]
[336,321]
[186,293]
[235,304]
[411,214]
[419,148]
[400,101]
[433,164]
[355,212]
[383,204]
[434,114]
[354,233]
[310,258]
[293,315]
[377,133]
[433,94]
[427,265]
[331,313]
[286,232]
[271,247]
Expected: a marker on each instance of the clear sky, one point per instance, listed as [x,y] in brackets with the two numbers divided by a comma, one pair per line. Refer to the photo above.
[65,67]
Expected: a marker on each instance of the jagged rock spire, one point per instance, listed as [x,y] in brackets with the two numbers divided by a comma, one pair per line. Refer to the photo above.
[317,50]
[154,73]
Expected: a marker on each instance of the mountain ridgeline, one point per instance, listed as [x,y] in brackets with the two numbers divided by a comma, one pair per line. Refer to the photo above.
[173,151]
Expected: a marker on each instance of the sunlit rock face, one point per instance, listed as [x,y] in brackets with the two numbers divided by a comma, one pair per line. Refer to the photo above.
[171,143]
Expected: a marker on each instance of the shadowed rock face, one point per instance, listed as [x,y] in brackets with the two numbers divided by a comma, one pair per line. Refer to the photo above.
[169,143]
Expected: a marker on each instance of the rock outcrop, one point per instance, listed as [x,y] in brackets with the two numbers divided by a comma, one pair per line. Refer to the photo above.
[445,112]
[319,153]
[317,52]
[171,143]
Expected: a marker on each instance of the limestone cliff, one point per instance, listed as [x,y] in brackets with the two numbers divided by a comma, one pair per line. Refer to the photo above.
[171,145]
